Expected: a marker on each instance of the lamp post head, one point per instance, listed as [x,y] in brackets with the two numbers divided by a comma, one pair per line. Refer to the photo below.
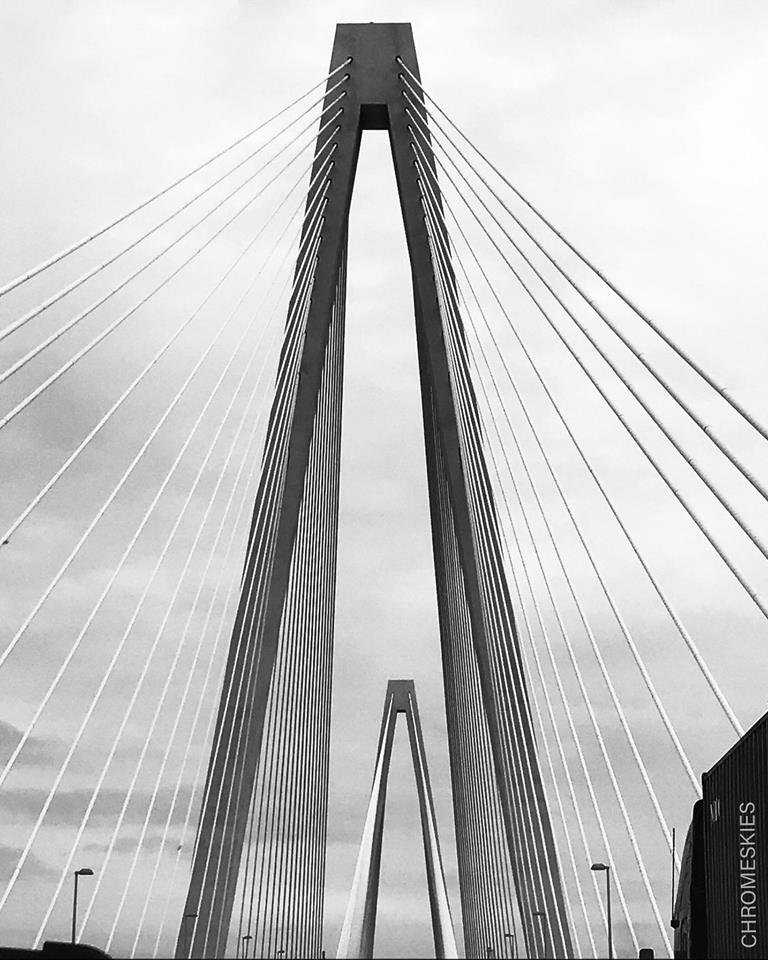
[191,916]
[84,872]
[599,866]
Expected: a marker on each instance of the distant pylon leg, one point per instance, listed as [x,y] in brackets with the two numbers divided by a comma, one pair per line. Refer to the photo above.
[359,927]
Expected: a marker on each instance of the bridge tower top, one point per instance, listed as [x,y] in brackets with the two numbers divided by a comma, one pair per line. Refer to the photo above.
[374,49]
[402,693]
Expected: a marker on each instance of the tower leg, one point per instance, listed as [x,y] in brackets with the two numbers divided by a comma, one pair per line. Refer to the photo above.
[463,521]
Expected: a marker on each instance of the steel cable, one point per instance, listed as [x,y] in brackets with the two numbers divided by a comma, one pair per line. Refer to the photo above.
[102,510]
[204,686]
[75,284]
[139,683]
[462,389]
[170,738]
[512,704]
[44,265]
[250,704]
[687,639]
[83,351]
[430,212]
[273,464]
[473,433]
[95,699]
[761,605]
[577,744]
[469,740]
[48,486]
[123,809]
[593,642]
[588,704]
[491,613]
[662,381]
[721,498]
[682,354]
[577,671]
[438,267]
[257,544]
[240,690]
[211,718]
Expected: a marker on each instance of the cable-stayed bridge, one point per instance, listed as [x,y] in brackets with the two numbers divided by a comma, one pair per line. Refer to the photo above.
[196,687]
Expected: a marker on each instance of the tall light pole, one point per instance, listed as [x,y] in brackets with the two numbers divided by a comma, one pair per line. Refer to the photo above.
[598,867]
[673,874]
[83,872]
[187,945]
[513,937]
[246,938]
[542,915]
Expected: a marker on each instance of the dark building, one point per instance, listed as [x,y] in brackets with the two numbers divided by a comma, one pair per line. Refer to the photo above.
[689,920]
[721,908]
[54,950]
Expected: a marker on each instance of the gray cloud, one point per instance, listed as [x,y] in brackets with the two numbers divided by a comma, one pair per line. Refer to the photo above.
[35,869]
[68,807]
[37,752]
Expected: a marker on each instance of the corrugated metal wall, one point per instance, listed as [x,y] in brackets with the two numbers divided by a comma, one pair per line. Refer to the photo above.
[736,848]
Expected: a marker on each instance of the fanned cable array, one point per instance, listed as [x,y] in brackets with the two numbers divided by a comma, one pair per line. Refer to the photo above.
[532,875]
[276,892]
[170,419]
[112,666]
[483,234]
[487,888]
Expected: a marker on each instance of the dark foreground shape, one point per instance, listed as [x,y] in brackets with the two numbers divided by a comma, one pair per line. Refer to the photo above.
[59,949]
[722,902]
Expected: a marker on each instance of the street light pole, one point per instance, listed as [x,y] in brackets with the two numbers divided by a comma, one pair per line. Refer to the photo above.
[83,872]
[74,910]
[673,873]
[607,869]
[542,915]
[513,937]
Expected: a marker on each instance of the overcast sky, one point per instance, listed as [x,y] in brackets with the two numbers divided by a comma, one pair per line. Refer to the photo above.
[639,128]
